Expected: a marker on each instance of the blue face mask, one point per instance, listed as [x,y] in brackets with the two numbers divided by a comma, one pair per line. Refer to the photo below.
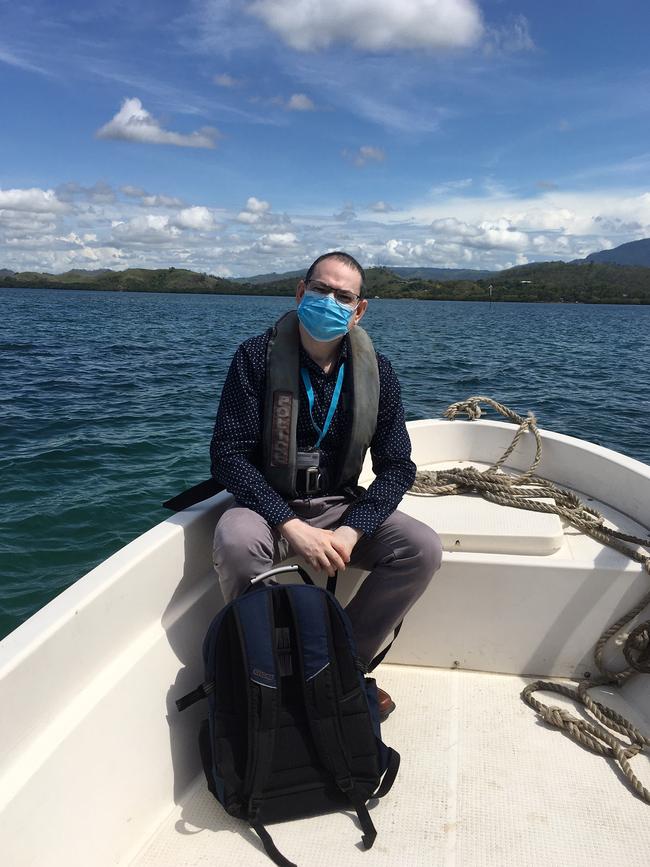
[323,317]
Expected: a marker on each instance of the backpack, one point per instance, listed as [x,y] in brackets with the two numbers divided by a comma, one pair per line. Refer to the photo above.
[293,723]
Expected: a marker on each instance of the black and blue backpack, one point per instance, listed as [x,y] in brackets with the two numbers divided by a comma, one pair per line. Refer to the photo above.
[293,722]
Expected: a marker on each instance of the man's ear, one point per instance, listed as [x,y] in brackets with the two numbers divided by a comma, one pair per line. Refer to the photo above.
[300,291]
[361,309]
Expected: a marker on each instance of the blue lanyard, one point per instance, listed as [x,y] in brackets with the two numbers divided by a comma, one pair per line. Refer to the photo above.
[333,403]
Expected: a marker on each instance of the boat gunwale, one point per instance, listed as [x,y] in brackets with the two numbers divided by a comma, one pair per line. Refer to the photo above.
[45,622]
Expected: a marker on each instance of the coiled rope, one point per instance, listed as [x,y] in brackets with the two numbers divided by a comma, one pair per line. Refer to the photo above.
[522,491]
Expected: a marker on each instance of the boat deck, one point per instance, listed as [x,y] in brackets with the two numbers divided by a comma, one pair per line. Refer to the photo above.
[482,782]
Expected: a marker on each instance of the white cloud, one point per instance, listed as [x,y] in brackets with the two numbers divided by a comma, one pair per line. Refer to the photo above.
[145,229]
[255,210]
[257,206]
[133,192]
[300,102]
[100,193]
[380,207]
[151,201]
[276,240]
[509,38]
[134,123]
[25,224]
[346,213]
[161,201]
[197,217]
[485,235]
[33,200]
[103,256]
[426,252]
[72,238]
[247,217]
[459,228]
[580,213]
[13,59]
[372,25]
[225,80]
[448,187]
[365,154]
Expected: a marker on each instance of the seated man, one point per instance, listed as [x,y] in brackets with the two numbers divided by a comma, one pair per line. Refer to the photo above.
[301,405]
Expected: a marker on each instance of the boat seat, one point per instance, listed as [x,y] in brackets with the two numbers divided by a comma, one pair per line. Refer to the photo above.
[467,522]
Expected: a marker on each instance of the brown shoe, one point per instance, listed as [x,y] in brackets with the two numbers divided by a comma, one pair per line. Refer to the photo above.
[386,705]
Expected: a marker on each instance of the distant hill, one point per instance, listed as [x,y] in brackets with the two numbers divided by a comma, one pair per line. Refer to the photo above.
[633,253]
[84,272]
[273,277]
[377,280]
[130,280]
[441,274]
[585,282]
[5,273]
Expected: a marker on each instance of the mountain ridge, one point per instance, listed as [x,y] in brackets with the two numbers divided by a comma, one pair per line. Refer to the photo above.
[631,253]
[587,280]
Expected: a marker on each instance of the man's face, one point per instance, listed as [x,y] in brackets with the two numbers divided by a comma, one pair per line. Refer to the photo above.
[338,275]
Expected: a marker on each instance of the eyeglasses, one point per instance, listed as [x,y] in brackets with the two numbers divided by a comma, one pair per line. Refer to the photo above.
[343,296]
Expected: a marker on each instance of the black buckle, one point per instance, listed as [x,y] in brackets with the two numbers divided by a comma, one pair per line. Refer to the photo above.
[309,477]
[312,480]
[309,480]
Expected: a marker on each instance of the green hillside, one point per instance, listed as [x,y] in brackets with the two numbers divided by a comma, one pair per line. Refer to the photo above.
[586,282]
[131,280]
[595,283]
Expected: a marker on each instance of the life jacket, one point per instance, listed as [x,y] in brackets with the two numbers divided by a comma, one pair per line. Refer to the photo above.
[282,404]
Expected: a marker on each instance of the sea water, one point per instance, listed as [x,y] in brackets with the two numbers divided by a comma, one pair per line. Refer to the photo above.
[107,401]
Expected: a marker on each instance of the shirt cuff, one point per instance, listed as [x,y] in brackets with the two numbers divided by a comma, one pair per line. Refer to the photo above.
[363,518]
[276,515]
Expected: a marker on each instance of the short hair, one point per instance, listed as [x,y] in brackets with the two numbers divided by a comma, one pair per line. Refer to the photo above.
[340,256]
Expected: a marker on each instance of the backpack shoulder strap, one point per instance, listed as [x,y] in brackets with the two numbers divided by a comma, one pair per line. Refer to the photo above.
[256,624]
[372,665]
[311,623]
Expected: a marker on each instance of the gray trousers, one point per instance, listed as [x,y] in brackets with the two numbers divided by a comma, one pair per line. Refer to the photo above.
[401,557]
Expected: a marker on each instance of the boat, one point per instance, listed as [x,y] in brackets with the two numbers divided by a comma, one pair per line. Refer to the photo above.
[98,767]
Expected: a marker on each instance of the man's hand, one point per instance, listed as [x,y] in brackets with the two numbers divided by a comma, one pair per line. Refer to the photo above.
[325,550]
[348,536]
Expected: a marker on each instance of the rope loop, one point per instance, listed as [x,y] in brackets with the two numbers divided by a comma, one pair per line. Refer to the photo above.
[594,737]
[636,649]
[525,491]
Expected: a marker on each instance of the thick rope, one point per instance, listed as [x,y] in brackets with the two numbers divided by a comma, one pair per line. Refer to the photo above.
[523,492]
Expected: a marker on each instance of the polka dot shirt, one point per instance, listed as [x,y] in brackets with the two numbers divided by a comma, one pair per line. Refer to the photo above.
[236,450]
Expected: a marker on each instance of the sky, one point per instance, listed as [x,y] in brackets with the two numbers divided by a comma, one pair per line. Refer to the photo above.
[241,137]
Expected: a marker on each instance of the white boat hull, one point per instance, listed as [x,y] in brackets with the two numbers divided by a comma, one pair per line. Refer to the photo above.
[94,754]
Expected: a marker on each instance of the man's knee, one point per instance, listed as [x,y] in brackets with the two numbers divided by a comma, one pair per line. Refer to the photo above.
[242,548]
[432,548]
[427,549]
[230,535]
[411,545]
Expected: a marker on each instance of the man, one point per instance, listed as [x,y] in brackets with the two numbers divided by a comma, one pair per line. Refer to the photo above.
[300,406]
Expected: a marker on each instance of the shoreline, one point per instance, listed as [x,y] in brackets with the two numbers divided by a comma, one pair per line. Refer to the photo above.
[402,297]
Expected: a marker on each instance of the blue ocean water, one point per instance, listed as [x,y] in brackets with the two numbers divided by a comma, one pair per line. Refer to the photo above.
[107,401]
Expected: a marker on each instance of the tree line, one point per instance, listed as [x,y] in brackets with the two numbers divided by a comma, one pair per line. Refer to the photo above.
[589,283]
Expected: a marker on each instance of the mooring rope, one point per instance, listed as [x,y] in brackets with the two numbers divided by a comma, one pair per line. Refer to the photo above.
[523,492]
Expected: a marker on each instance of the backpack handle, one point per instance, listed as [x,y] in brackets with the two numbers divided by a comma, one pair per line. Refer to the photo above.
[279,570]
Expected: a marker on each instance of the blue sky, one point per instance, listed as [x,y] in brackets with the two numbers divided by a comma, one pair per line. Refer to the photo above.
[241,137]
